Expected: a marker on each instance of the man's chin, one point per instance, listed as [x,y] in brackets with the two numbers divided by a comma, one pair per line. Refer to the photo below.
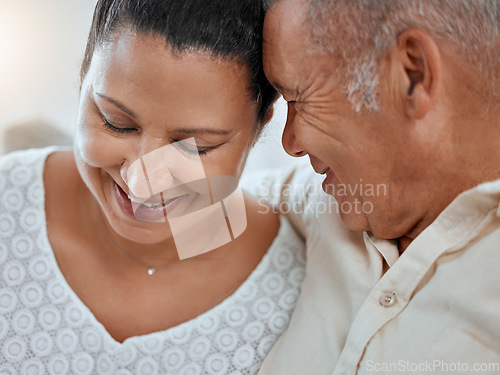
[356,222]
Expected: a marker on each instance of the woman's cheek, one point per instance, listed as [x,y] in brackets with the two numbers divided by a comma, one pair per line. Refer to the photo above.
[221,164]
[97,148]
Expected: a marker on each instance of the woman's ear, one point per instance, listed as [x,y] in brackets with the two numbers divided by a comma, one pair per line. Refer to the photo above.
[262,123]
[269,115]
[419,70]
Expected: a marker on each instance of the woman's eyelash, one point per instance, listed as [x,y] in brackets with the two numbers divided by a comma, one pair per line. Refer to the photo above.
[192,151]
[115,129]
[182,145]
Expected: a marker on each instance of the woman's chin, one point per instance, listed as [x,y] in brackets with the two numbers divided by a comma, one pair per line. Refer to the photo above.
[140,232]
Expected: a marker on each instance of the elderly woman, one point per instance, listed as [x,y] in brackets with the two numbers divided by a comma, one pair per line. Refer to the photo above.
[91,276]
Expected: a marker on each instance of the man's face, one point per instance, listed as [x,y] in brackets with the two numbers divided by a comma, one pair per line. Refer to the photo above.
[364,156]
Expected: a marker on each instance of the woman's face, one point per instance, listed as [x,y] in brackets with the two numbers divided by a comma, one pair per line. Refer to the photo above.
[137,99]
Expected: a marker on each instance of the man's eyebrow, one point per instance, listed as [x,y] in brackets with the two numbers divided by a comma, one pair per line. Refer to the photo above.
[189,131]
[118,104]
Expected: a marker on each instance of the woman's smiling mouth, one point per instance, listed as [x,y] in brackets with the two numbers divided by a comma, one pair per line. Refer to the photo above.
[154,210]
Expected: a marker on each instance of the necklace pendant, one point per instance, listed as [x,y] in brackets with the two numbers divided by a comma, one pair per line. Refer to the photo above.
[151,271]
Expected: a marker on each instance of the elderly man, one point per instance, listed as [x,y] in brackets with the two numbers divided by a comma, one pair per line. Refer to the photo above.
[402,94]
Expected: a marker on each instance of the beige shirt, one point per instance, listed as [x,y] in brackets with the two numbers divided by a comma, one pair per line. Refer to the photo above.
[364,309]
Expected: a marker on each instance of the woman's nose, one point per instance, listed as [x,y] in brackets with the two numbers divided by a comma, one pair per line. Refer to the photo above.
[150,171]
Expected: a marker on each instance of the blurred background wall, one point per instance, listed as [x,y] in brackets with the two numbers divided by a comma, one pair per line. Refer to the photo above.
[41,47]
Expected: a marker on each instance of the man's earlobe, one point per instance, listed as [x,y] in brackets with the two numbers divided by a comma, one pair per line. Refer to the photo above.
[419,55]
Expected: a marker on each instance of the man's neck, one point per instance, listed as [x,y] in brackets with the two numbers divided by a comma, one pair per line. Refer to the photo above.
[403,243]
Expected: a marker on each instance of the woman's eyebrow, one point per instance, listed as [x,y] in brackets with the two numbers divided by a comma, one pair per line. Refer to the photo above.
[180,130]
[118,104]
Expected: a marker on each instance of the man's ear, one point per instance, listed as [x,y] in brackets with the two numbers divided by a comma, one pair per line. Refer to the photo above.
[420,74]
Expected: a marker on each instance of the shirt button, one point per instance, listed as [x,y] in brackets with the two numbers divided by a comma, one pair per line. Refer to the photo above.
[388,299]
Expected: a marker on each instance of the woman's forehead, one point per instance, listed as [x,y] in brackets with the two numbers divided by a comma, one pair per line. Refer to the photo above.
[149,59]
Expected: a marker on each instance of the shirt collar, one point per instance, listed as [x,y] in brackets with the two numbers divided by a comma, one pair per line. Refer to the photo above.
[387,248]
[467,208]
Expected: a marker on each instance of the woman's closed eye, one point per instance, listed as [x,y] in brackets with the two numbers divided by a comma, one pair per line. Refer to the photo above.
[116,129]
[191,148]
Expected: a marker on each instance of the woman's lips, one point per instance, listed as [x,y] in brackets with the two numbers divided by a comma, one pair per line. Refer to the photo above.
[123,200]
[151,211]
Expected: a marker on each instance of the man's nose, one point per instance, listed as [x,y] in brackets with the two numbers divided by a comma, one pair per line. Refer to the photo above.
[290,142]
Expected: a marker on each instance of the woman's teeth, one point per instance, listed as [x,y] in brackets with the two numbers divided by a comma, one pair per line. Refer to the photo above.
[151,205]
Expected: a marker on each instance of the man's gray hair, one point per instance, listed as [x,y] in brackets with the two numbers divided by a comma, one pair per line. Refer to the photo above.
[361,31]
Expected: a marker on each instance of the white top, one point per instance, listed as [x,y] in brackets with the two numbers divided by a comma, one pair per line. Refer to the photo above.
[364,309]
[46,328]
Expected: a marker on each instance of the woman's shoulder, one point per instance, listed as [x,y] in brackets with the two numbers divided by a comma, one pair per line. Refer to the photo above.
[60,174]
[260,219]
[23,168]
[30,159]
[22,179]
[22,210]
[21,182]
[265,222]
[263,234]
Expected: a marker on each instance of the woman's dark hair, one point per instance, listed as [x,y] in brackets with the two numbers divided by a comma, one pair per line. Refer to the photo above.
[227,29]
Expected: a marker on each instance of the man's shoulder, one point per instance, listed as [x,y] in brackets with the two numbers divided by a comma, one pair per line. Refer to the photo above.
[296,193]
[299,180]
